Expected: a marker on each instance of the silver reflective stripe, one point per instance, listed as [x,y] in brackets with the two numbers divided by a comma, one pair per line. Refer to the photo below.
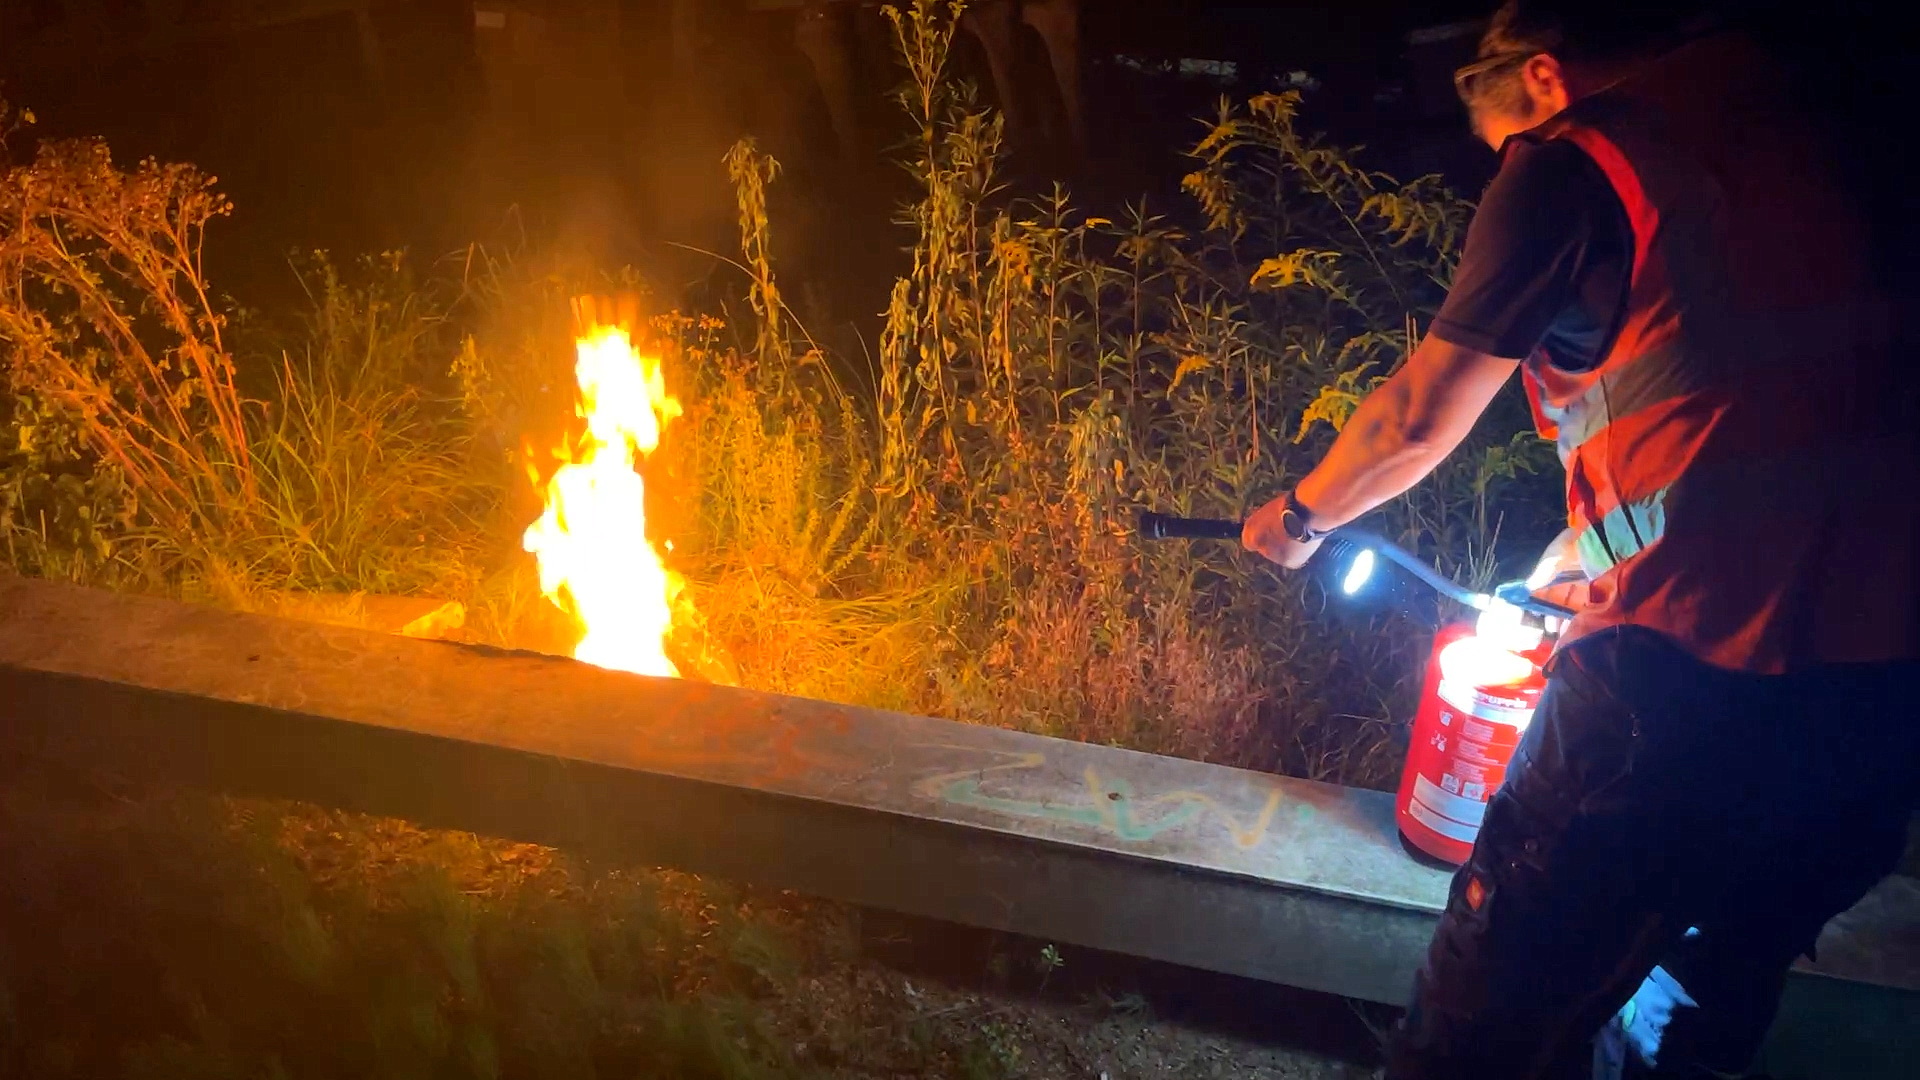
[1625,531]
[1647,379]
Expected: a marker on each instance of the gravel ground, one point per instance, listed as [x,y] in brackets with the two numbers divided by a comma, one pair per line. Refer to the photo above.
[914,1028]
[928,999]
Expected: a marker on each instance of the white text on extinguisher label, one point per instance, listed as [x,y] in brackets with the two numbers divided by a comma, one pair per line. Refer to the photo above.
[1483,706]
[1458,808]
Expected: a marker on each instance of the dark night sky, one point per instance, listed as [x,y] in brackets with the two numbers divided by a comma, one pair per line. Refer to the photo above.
[1313,28]
[310,156]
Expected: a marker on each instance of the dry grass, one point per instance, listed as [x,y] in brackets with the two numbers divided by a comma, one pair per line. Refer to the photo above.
[138,459]
[959,540]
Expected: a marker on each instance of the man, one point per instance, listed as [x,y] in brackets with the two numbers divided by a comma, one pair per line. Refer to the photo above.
[1725,755]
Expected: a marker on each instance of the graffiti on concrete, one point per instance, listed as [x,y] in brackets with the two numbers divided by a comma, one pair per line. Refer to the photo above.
[1106,803]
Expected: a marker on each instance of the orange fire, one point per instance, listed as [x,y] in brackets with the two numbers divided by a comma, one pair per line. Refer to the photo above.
[596,562]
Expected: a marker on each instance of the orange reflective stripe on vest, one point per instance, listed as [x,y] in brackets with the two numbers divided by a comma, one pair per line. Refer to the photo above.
[1708,453]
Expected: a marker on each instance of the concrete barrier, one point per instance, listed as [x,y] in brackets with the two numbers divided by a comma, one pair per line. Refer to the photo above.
[1217,868]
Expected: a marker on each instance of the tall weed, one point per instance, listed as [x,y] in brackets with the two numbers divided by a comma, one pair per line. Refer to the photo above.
[119,389]
[1044,374]
[142,453]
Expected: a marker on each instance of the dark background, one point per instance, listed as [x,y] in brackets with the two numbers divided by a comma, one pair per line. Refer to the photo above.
[386,128]
[322,141]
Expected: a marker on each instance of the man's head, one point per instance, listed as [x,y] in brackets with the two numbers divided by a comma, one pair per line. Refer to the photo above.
[1508,92]
[1540,56]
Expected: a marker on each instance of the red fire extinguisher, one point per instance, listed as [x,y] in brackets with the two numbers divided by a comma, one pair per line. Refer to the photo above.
[1480,691]
[1483,679]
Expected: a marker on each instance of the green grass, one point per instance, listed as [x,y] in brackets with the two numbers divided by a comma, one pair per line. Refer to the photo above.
[176,935]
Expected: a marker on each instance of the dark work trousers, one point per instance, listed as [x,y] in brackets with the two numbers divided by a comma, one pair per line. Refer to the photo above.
[1661,811]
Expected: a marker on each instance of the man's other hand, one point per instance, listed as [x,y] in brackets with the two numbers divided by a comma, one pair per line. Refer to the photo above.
[1264,533]
[1557,577]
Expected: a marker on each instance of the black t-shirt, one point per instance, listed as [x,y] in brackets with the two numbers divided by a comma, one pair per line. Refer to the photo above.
[1547,262]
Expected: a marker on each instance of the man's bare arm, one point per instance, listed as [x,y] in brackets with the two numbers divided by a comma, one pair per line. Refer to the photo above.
[1399,433]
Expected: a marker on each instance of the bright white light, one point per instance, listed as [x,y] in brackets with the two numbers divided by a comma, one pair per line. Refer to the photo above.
[1358,572]
[1503,625]
[1475,661]
[1543,574]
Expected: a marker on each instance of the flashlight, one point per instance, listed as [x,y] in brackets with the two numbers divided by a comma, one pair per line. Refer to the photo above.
[1358,571]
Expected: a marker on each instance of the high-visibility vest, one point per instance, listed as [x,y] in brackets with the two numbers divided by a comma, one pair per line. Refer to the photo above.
[1735,480]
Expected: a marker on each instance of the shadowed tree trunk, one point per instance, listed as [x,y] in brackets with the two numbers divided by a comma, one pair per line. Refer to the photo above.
[1058,24]
[825,35]
[995,24]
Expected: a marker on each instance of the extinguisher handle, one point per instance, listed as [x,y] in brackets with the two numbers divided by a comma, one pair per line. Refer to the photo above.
[1517,594]
[1167,527]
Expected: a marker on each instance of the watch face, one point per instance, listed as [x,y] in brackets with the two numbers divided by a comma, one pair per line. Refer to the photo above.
[1295,527]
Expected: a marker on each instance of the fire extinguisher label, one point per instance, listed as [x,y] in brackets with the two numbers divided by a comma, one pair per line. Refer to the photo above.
[1445,826]
[1464,737]
[1455,807]
[1481,705]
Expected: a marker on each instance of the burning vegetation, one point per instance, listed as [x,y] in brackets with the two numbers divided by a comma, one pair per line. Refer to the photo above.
[597,562]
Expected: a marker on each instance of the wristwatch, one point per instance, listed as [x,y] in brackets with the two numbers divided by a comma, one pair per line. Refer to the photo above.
[1294,518]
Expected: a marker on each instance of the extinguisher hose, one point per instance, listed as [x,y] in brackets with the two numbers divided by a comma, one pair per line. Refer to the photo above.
[1343,541]
[1350,540]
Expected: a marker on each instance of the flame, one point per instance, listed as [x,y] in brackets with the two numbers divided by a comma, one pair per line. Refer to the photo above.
[596,562]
